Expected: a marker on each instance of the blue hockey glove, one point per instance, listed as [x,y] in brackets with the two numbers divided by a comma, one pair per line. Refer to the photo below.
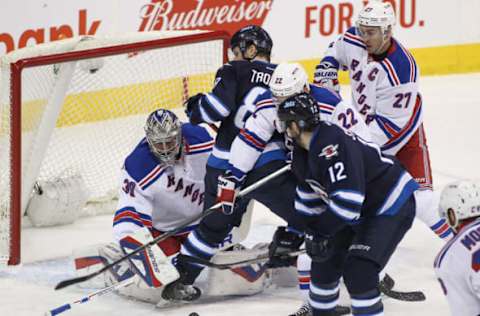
[283,241]
[319,248]
[227,189]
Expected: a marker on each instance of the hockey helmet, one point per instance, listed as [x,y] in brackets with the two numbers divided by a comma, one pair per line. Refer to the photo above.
[288,79]
[163,131]
[460,200]
[300,108]
[252,34]
[377,13]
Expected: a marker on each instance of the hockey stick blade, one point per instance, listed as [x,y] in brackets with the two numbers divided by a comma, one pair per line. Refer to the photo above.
[412,296]
[172,232]
[386,287]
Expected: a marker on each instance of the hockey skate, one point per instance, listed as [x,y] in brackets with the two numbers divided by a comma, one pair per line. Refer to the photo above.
[306,310]
[177,291]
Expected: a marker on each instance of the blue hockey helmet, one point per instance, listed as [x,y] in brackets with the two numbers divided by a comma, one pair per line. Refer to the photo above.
[252,35]
[302,109]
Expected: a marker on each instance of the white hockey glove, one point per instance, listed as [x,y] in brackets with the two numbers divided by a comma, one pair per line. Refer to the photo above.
[151,264]
[326,75]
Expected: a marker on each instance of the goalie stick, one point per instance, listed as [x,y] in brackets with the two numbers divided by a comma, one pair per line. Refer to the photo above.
[173,232]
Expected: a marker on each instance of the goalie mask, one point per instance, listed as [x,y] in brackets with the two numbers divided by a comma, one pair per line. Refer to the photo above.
[302,109]
[459,201]
[252,35]
[163,131]
[288,79]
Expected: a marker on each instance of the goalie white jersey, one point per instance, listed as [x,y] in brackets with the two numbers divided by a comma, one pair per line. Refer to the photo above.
[261,130]
[384,90]
[158,196]
[458,270]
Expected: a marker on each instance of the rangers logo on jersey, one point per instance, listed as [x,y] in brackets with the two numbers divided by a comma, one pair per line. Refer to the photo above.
[329,151]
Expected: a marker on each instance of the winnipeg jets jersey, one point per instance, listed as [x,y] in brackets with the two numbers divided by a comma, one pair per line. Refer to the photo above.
[161,197]
[457,267]
[349,179]
[261,130]
[237,85]
[384,91]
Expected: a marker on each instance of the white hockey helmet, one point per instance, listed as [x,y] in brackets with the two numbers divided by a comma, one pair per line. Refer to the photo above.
[460,200]
[377,13]
[288,79]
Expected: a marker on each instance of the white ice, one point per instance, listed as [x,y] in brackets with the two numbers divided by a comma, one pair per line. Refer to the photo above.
[452,110]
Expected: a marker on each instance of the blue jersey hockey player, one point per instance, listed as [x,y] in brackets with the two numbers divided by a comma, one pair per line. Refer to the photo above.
[357,203]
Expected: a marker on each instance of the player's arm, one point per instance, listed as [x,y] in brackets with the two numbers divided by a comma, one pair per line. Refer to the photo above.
[254,136]
[336,163]
[214,106]
[396,118]
[134,210]
[335,59]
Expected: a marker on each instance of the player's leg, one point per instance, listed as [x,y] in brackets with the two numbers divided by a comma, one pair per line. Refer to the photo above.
[203,242]
[324,288]
[374,243]
[415,158]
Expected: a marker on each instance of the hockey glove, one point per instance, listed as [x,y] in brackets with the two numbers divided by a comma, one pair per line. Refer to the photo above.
[191,106]
[283,241]
[326,75]
[319,248]
[227,189]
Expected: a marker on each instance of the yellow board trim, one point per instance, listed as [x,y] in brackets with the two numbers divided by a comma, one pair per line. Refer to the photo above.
[439,60]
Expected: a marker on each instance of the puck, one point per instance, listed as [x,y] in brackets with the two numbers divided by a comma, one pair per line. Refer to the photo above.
[193,314]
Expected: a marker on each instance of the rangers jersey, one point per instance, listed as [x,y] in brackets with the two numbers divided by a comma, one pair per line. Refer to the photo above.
[261,132]
[349,179]
[457,267]
[238,84]
[158,196]
[384,88]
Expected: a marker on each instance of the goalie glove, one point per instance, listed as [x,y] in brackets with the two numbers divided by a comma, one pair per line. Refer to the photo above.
[192,108]
[326,75]
[151,264]
[227,190]
[283,241]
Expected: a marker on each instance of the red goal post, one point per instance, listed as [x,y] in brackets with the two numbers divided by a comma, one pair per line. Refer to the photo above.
[57,100]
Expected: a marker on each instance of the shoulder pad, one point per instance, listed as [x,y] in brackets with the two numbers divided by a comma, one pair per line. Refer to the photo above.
[325,95]
[197,139]
[140,162]
[399,65]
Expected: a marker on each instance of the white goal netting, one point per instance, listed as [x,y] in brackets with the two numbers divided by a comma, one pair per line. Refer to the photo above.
[83,107]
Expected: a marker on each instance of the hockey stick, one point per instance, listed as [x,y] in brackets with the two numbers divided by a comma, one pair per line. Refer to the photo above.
[89,297]
[241,263]
[386,287]
[173,232]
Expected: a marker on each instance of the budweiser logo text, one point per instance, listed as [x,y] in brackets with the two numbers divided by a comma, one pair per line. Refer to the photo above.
[179,15]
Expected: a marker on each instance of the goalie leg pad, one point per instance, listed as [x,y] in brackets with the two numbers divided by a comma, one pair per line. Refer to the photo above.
[151,264]
[247,280]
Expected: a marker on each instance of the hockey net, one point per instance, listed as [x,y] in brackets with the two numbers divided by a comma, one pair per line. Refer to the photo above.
[78,106]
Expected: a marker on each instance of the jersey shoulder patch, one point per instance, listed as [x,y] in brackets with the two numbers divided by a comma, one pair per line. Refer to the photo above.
[197,139]
[399,65]
[141,162]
